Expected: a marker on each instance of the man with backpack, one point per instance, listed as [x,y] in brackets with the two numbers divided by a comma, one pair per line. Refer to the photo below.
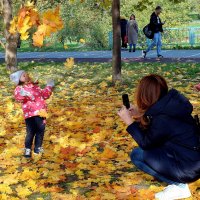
[156,27]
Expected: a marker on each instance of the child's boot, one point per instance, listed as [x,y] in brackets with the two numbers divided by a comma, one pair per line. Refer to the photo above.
[27,153]
[38,150]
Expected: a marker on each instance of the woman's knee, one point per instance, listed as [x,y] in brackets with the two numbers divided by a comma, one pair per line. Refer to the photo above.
[136,155]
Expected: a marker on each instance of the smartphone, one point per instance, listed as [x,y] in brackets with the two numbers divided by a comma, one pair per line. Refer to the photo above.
[126,101]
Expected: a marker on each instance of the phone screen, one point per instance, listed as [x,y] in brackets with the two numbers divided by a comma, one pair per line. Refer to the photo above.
[126,101]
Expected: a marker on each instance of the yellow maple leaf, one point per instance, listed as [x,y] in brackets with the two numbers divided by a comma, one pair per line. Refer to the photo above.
[31,184]
[63,141]
[108,153]
[53,19]
[23,191]
[28,17]
[26,25]
[82,41]
[29,174]
[79,173]
[34,17]
[29,4]
[38,39]
[2,131]
[45,30]
[13,26]
[24,36]
[69,63]
[11,152]
[42,32]
[103,84]
[23,15]
[109,121]
[59,196]
[11,179]
[4,188]
[9,106]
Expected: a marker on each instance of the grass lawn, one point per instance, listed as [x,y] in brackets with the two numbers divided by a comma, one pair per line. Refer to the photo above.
[86,145]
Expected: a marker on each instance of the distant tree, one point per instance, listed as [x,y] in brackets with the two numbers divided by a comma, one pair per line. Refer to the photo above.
[24,24]
[11,39]
[116,58]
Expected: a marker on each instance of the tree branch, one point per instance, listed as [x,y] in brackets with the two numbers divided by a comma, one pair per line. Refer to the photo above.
[2,44]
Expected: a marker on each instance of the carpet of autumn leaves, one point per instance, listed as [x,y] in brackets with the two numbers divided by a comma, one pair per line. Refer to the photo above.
[86,145]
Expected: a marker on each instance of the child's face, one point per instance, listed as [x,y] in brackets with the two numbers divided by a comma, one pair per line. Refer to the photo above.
[24,77]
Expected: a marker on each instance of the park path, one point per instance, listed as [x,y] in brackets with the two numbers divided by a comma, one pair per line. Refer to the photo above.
[105,56]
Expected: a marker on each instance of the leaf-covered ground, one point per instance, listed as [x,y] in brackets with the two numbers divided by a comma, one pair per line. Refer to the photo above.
[86,145]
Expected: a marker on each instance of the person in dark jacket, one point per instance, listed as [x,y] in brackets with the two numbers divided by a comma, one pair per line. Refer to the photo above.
[156,26]
[123,23]
[167,135]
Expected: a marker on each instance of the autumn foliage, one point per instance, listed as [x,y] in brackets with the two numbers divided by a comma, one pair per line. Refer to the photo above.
[29,19]
[86,145]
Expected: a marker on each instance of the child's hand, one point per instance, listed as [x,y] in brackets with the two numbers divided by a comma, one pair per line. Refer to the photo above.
[50,83]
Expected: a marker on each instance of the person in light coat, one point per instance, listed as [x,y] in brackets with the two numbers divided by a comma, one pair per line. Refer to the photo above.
[132,32]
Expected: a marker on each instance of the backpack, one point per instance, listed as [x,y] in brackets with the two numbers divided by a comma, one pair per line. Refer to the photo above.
[148,32]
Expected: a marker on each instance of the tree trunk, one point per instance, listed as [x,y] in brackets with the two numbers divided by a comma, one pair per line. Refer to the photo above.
[116,58]
[11,39]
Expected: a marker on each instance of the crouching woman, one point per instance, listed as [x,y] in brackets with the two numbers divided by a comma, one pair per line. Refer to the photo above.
[167,136]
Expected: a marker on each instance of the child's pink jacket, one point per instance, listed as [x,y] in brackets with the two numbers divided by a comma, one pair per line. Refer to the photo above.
[32,104]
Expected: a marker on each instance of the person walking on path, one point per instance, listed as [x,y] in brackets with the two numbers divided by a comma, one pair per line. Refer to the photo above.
[156,25]
[167,136]
[123,23]
[132,32]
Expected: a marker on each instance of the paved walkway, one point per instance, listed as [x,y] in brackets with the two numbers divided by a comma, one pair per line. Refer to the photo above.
[105,56]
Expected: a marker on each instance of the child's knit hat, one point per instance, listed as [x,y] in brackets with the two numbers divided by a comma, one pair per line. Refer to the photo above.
[15,77]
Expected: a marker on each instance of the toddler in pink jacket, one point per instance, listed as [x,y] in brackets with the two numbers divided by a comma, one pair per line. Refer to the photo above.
[32,98]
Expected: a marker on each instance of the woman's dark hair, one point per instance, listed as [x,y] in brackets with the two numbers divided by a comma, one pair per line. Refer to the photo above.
[158,8]
[150,90]
[132,16]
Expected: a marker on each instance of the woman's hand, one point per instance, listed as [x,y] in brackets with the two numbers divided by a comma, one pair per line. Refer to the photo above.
[125,115]
[134,111]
